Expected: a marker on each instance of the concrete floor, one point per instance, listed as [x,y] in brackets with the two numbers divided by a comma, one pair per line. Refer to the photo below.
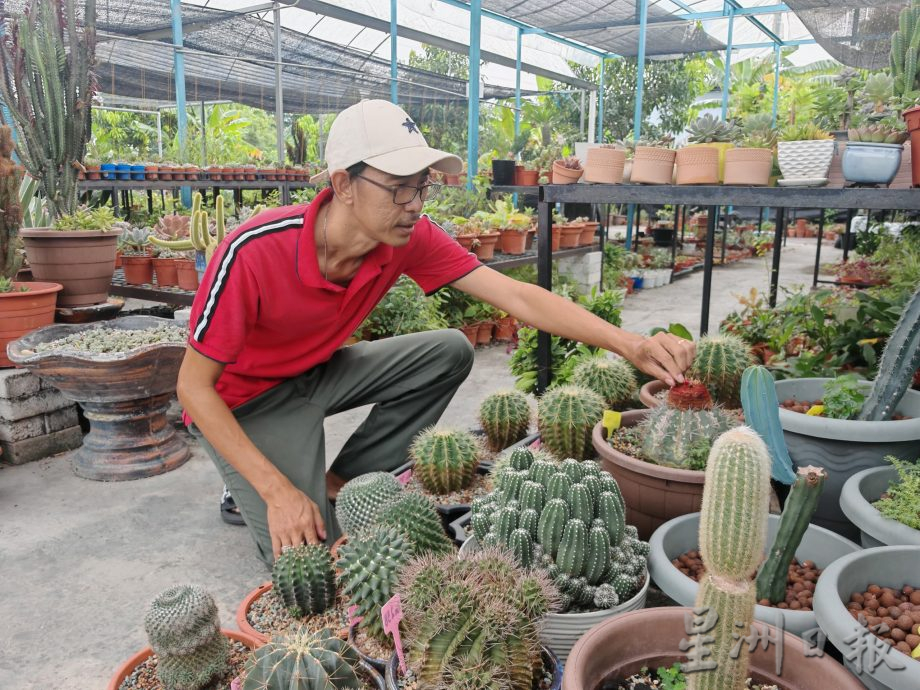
[82,559]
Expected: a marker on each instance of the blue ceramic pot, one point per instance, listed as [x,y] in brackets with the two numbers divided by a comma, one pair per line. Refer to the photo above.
[137,172]
[108,171]
[637,282]
[865,163]
[122,171]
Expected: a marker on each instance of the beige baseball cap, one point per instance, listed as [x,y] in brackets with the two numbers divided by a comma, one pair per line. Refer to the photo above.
[382,135]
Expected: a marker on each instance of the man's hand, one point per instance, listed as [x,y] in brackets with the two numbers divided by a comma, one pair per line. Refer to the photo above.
[664,356]
[293,519]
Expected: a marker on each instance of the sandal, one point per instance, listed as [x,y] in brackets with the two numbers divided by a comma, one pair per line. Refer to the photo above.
[229,511]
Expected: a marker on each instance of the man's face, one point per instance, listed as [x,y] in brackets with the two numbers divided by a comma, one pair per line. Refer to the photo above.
[384,220]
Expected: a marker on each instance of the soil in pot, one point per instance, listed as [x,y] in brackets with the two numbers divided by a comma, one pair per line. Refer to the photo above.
[549,677]
[663,677]
[892,615]
[267,615]
[463,497]
[803,406]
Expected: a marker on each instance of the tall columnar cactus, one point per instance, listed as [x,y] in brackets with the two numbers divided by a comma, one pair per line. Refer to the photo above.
[416,516]
[200,237]
[304,660]
[445,459]
[505,416]
[900,360]
[761,412]
[184,631]
[905,46]
[361,499]
[719,363]
[370,565]
[304,578]
[566,416]
[669,435]
[612,379]
[474,621]
[10,208]
[733,528]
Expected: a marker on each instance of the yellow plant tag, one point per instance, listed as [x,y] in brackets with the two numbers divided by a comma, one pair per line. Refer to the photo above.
[815,411]
[916,653]
[611,421]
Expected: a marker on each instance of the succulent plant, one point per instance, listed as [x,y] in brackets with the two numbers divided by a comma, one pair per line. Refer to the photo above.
[445,459]
[183,628]
[670,435]
[505,416]
[690,395]
[416,516]
[362,498]
[103,339]
[708,129]
[134,241]
[566,416]
[370,565]
[612,379]
[719,364]
[877,134]
[172,227]
[304,578]
[571,162]
[304,660]
[757,132]
[803,131]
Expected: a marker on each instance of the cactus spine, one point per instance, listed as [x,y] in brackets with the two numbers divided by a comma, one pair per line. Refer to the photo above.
[445,459]
[612,379]
[733,527]
[10,208]
[566,416]
[361,499]
[504,416]
[669,434]
[900,359]
[184,631]
[415,516]
[719,363]
[905,45]
[304,578]
[304,660]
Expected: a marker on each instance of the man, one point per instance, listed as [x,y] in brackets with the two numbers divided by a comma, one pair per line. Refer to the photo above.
[265,365]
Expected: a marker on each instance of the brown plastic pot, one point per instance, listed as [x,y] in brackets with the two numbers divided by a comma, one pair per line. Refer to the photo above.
[186,275]
[513,241]
[569,236]
[504,329]
[486,248]
[82,262]
[23,312]
[529,178]
[650,638]
[588,231]
[484,334]
[698,165]
[138,269]
[166,272]
[653,493]
[471,331]
[466,241]
[648,392]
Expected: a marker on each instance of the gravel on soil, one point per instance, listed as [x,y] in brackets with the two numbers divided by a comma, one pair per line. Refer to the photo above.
[270,616]
[650,681]
[145,677]
[891,615]
[479,487]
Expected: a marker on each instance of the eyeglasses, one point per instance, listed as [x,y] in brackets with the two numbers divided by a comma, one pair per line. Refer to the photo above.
[405,194]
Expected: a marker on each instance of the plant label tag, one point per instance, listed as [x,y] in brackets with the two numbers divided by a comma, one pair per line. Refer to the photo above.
[404,477]
[236,684]
[536,445]
[200,261]
[391,613]
[352,618]
[611,421]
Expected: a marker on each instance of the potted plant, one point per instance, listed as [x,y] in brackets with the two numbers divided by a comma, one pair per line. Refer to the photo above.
[604,164]
[568,233]
[702,160]
[589,229]
[567,170]
[751,161]
[805,153]
[512,225]
[873,154]
[653,162]
[884,503]
[663,231]
[135,257]
[164,266]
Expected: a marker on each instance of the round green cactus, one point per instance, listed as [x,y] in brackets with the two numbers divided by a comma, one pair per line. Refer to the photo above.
[416,516]
[521,546]
[304,578]
[521,458]
[445,459]
[361,499]
[611,378]
[504,416]
[670,436]
[566,416]
[719,364]
[304,660]
[183,628]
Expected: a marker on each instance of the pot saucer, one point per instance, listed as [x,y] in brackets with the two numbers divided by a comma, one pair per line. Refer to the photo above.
[803,182]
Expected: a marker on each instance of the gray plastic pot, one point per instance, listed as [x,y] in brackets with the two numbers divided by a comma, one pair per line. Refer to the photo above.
[859,492]
[844,447]
[886,566]
[681,534]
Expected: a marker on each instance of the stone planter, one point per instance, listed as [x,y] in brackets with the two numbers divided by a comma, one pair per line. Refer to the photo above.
[886,566]
[867,163]
[859,493]
[805,161]
[844,447]
[681,534]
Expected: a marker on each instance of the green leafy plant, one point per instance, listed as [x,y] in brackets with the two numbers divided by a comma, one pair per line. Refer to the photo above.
[404,309]
[901,501]
[671,677]
[803,131]
[83,218]
[843,398]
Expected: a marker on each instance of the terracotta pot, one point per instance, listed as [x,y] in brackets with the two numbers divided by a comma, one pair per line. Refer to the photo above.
[484,334]
[801,227]
[152,172]
[471,331]
[269,173]
[697,165]
[588,231]
[23,312]
[118,259]
[652,165]
[912,118]
[505,329]
[138,270]
[127,668]
[92,172]
[569,236]
[650,638]
[166,272]
[186,275]
[564,175]
[747,166]
[529,178]
[513,242]
[466,241]
[487,242]
[605,166]
[178,172]
[556,239]
[82,262]
[653,493]
[242,622]
[531,234]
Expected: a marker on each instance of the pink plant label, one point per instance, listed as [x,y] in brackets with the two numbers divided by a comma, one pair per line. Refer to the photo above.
[391,613]
[236,684]
[536,445]
[404,477]
[352,618]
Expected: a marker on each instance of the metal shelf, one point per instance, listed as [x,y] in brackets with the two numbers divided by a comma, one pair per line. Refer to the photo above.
[153,293]
[143,185]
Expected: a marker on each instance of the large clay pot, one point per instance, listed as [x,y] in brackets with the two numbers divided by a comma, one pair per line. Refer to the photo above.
[605,165]
[698,165]
[83,262]
[23,312]
[652,165]
[859,493]
[747,166]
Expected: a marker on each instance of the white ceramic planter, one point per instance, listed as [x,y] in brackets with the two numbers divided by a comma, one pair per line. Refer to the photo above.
[805,160]
[859,493]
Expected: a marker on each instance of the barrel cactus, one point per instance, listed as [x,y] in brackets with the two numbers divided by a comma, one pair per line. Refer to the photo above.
[505,416]
[670,436]
[733,529]
[360,500]
[304,660]
[416,516]
[719,363]
[184,631]
[445,459]
[566,416]
[304,578]
[612,379]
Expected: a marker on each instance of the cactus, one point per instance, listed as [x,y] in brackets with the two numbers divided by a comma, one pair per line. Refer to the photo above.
[690,395]
[612,379]
[797,513]
[668,434]
[445,459]
[761,412]
[905,45]
[200,238]
[416,516]
[370,566]
[566,416]
[304,660]
[10,208]
[733,527]
[183,628]
[361,499]
[504,416]
[719,363]
[900,359]
[304,578]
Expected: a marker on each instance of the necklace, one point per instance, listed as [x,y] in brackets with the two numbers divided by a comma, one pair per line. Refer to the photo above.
[325,247]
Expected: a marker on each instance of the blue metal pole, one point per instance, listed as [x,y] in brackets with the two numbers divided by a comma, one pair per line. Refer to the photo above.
[517,85]
[394,69]
[600,105]
[727,79]
[779,57]
[472,145]
[179,76]
[640,64]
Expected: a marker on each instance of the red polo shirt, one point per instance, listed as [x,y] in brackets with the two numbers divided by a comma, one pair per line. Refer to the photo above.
[265,310]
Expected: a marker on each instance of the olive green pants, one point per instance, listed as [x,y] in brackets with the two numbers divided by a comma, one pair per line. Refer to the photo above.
[410,380]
